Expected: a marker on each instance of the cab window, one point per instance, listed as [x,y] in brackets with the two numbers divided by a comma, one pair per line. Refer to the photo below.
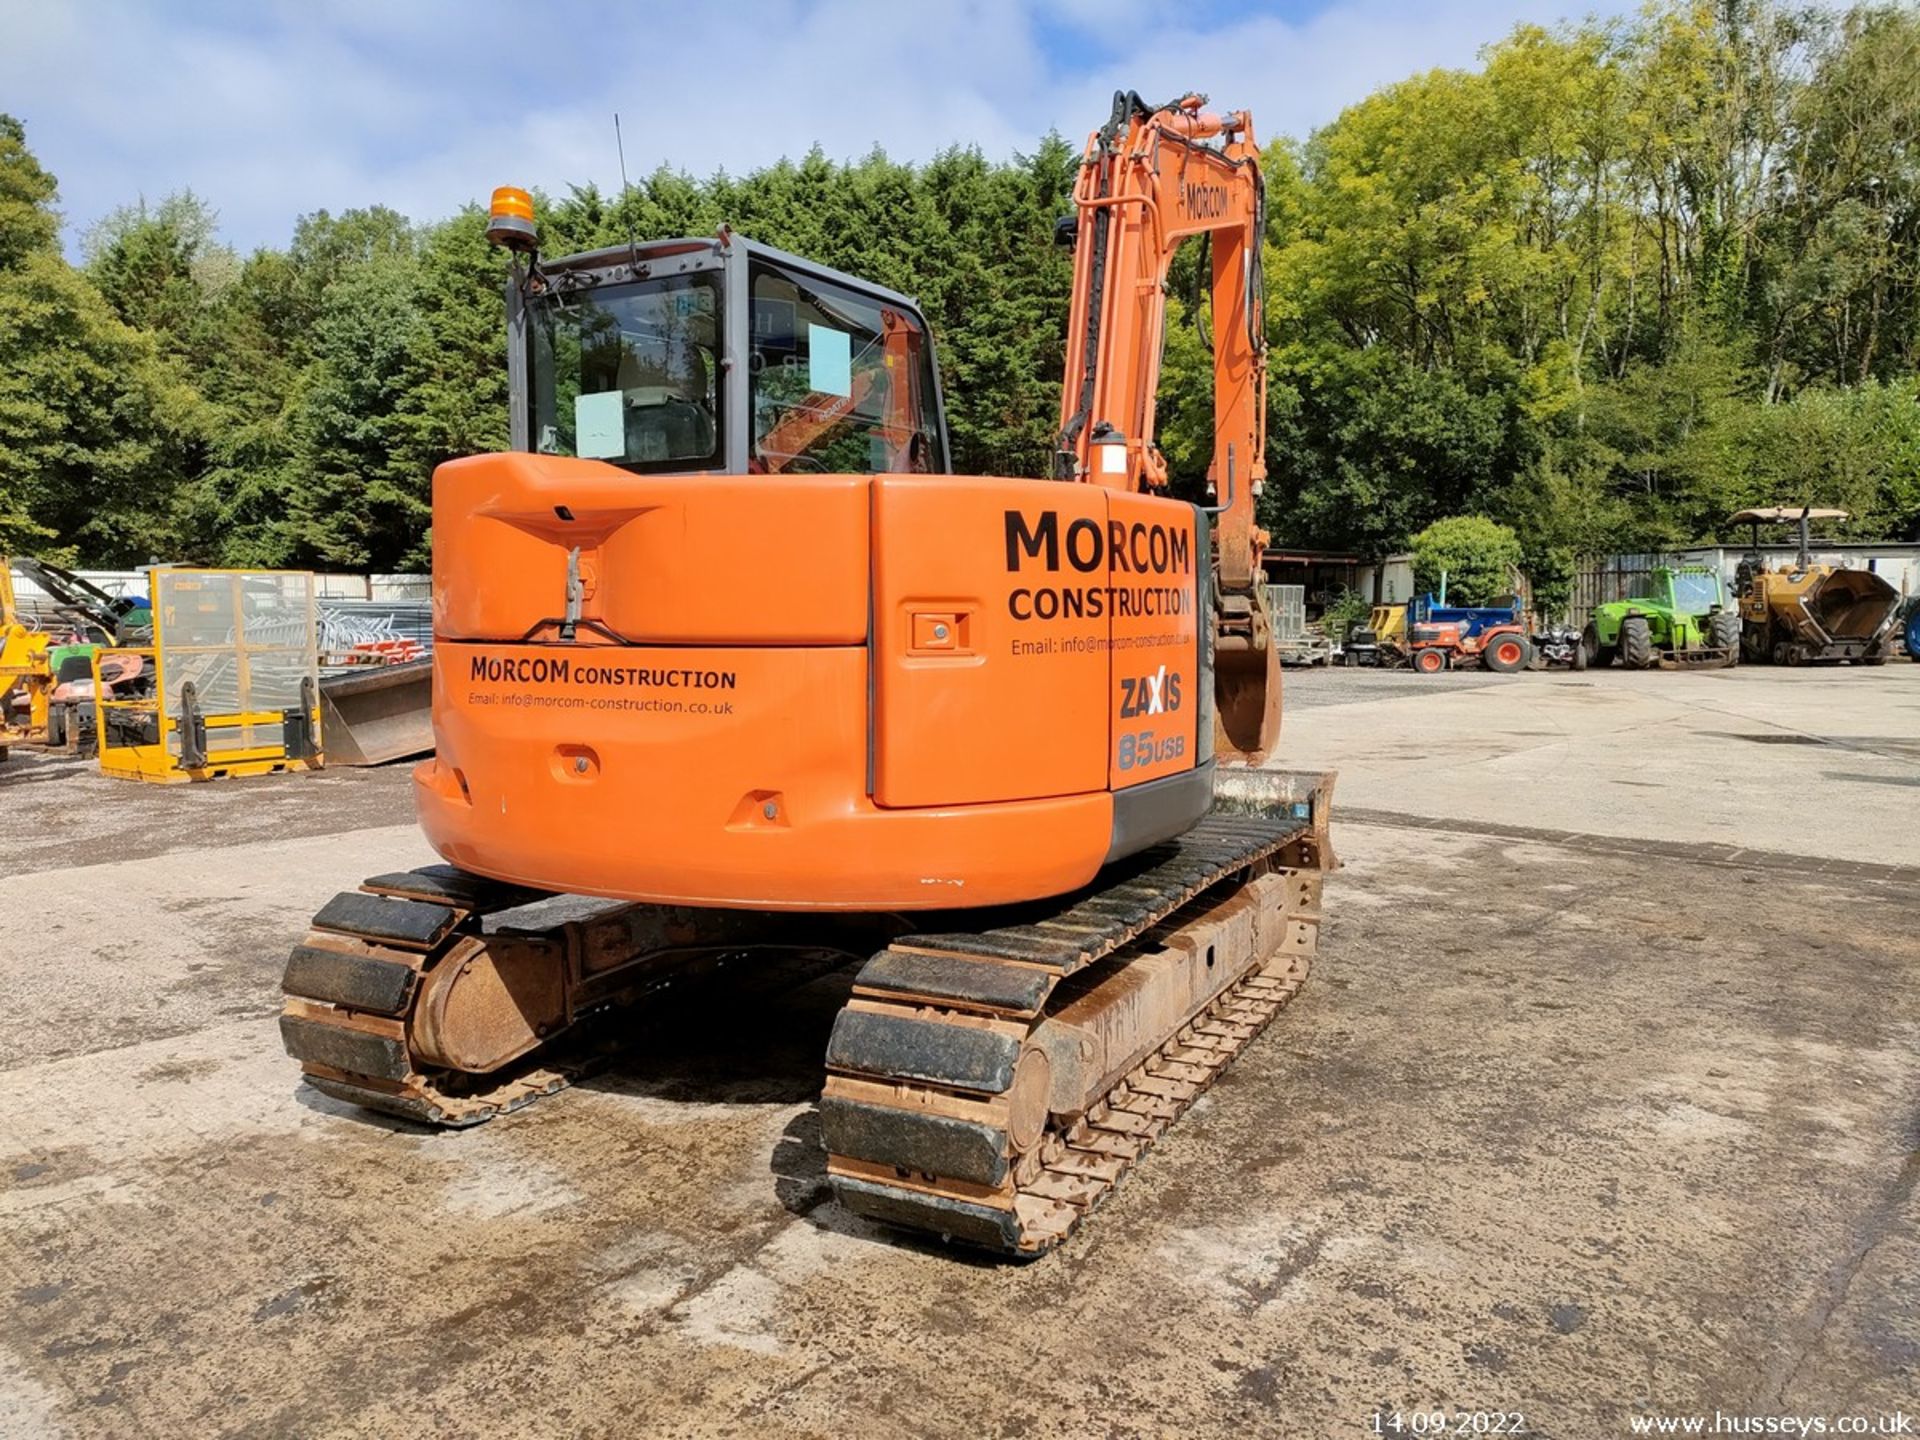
[841,383]
[630,374]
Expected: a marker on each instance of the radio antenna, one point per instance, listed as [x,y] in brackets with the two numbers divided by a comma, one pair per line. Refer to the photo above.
[633,241]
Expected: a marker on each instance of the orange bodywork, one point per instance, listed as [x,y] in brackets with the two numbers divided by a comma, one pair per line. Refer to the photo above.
[708,739]
[891,691]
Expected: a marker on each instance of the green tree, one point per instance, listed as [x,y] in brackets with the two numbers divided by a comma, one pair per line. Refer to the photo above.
[1472,555]
[94,425]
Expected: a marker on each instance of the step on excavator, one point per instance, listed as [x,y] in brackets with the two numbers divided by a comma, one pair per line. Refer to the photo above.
[724,642]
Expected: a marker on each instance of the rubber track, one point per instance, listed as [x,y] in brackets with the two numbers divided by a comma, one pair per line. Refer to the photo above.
[1127,900]
[1077,1167]
[451,1099]
[1082,1166]
[321,975]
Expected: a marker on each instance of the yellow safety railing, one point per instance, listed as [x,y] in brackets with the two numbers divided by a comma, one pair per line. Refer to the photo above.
[233,684]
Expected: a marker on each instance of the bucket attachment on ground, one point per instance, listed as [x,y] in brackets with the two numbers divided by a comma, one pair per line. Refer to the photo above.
[378,713]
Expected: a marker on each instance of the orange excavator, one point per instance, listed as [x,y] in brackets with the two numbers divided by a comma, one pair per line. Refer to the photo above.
[724,641]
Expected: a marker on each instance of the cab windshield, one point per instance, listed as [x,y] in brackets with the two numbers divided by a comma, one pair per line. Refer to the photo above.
[1695,594]
[629,373]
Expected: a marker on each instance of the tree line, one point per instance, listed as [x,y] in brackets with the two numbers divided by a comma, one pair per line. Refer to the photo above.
[1618,281]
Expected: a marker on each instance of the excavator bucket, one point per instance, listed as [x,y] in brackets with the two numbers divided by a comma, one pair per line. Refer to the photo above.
[1246,682]
[378,714]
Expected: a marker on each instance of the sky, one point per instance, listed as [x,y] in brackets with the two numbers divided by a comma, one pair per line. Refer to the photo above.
[270,109]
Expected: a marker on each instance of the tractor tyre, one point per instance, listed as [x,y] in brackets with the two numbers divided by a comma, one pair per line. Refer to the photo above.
[1636,642]
[1506,653]
[1724,631]
[1429,661]
[1590,646]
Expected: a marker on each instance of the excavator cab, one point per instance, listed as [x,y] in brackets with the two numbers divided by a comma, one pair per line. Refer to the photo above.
[723,356]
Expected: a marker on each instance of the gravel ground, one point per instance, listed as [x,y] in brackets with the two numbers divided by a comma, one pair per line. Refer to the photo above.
[1582,1127]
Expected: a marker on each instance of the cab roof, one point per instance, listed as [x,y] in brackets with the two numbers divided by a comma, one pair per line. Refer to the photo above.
[646,253]
[1781,514]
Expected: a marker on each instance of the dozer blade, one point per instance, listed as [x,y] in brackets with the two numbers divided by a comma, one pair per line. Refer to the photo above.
[993,1085]
[1305,795]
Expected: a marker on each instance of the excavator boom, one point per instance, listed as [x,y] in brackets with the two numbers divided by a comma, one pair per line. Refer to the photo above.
[1151,178]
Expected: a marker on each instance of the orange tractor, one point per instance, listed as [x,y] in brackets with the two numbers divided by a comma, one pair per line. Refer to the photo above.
[724,639]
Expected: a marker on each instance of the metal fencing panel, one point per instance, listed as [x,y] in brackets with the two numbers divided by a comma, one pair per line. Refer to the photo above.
[243,640]
[1287,607]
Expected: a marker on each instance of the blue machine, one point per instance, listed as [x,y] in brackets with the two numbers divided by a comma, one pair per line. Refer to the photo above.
[1472,619]
[1913,634]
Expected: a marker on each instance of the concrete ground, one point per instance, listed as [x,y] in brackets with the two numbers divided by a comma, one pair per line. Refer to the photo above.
[1601,1103]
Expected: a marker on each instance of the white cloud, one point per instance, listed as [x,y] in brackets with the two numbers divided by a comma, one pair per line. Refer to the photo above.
[276,107]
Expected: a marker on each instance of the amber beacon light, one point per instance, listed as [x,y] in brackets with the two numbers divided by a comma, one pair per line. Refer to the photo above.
[510,219]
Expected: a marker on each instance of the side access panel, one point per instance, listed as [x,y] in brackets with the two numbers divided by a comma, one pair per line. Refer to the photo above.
[990,640]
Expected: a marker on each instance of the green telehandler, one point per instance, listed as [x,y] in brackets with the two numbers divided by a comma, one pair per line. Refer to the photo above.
[1686,623]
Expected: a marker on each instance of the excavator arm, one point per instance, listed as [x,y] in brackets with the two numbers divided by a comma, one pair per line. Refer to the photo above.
[1151,177]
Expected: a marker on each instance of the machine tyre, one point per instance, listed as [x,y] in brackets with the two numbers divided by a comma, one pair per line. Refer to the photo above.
[1430,661]
[1596,654]
[1725,630]
[1579,661]
[1506,653]
[1636,642]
